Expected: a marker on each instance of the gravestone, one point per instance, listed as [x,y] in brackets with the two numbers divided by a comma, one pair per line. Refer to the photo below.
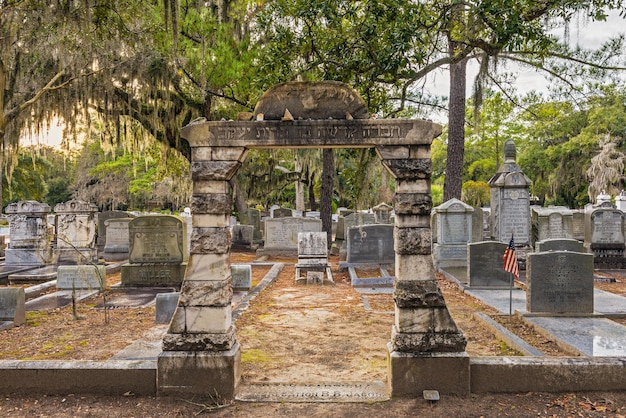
[281,235]
[102,227]
[81,277]
[578,225]
[76,232]
[165,305]
[158,251]
[312,258]
[452,225]
[620,201]
[30,239]
[282,213]
[485,265]
[252,217]
[370,244]
[186,216]
[551,223]
[241,276]
[560,245]
[607,238]
[12,305]
[382,213]
[510,201]
[117,239]
[560,282]
[243,236]
[478,222]
[346,222]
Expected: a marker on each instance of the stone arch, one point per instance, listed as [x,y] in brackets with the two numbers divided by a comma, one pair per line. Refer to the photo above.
[200,350]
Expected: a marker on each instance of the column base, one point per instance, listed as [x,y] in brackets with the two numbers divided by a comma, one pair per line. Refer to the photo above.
[181,373]
[410,373]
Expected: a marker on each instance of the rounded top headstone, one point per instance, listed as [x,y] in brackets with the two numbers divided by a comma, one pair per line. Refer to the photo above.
[311,100]
[510,152]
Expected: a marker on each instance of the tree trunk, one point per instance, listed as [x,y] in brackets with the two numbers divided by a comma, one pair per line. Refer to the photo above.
[326,197]
[456,132]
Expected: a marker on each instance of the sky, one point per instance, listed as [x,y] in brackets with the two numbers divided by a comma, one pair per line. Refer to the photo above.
[584,34]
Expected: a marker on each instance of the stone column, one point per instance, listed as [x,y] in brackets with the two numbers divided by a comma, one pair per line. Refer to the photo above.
[426,349]
[200,350]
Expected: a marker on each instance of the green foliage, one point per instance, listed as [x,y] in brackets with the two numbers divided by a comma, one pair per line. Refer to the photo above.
[41,174]
[436,190]
[139,181]
[476,193]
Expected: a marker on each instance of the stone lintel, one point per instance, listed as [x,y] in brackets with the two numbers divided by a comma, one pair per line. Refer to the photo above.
[412,241]
[414,267]
[418,294]
[211,203]
[428,342]
[213,170]
[185,372]
[206,293]
[199,341]
[412,204]
[219,154]
[210,241]
[409,169]
[332,133]
[204,267]
[403,152]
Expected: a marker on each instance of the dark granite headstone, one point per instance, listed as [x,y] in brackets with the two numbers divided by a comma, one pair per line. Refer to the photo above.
[560,282]
[485,266]
[560,245]
[12,302]
[370,244]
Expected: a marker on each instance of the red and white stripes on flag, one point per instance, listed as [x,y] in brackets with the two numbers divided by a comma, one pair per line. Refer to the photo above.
[510,259]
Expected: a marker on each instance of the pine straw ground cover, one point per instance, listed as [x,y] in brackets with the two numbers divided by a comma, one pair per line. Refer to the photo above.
[330,325]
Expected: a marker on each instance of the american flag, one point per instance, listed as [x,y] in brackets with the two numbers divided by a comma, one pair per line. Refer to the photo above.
[510,259]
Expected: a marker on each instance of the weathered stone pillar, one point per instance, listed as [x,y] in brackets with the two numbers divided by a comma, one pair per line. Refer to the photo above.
[426,349]
[200,350]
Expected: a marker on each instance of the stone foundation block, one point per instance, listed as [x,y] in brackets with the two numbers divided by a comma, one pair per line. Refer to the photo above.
[183,373]
[412,240]
[411,374]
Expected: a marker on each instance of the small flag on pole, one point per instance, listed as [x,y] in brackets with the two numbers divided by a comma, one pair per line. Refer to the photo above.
[510,259]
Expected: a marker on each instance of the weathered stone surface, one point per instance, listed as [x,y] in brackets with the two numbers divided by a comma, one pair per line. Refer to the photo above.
[412,204]
[412,240]
[428,342]
[213,170]
[210,241]
[311,133]
[200,342]
[414,267]
[206,293]
[436,320]
[418,294]
[415,168]
[208,267]
[213,203]
[219,154]
[311,100]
